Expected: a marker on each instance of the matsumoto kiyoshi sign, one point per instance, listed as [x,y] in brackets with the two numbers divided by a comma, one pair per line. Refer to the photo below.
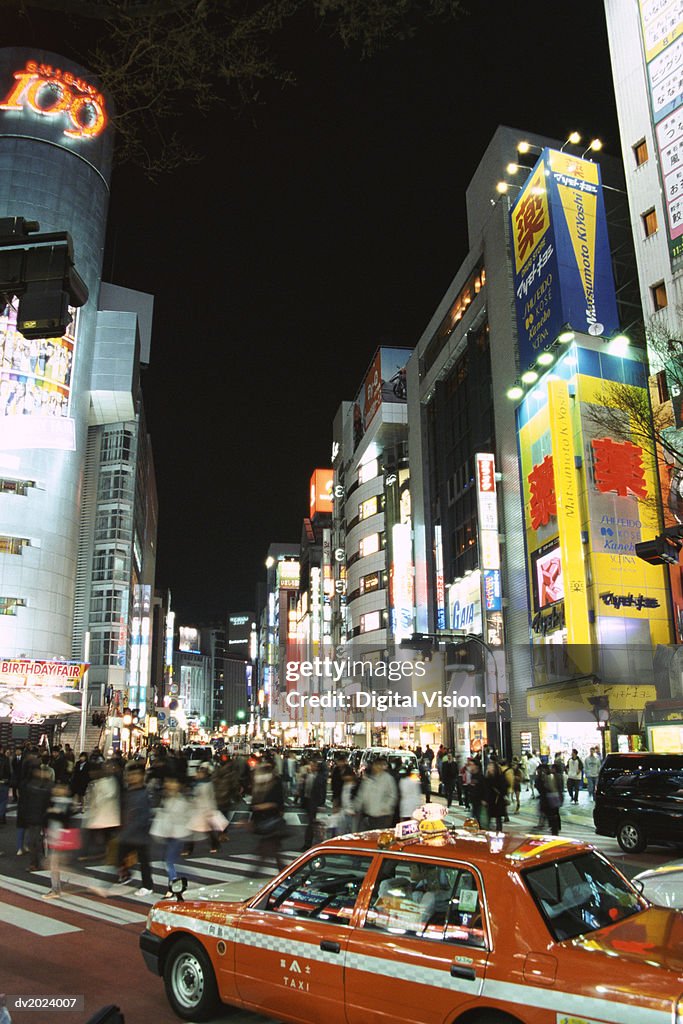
[562,264]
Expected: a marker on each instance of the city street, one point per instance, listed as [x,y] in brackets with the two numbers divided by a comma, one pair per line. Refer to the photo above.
[87,942]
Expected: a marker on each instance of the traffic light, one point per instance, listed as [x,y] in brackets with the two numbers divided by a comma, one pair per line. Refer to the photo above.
[38,269]
[240,715]
[662,549]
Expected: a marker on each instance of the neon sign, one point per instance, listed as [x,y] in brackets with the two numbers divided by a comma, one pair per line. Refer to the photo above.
[51,92]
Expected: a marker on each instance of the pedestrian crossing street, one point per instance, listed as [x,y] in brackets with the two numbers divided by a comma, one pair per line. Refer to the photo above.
[89,890]
[92,890]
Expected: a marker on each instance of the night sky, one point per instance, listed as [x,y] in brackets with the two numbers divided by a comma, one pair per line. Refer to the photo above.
[327,221]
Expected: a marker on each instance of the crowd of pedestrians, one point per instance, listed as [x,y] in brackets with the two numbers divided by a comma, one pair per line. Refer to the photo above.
[113,809]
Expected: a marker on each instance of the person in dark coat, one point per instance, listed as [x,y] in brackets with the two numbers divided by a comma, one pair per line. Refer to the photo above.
[495,794]
[5,775]
[475,788]
[449,776]
[80,777]
[267,813]
[34,798]
[136,820]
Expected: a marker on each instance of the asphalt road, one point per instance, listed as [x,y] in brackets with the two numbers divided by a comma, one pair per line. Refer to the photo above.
[87,943]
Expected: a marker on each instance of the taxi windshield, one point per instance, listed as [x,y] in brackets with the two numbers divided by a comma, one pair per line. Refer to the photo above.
[581,895]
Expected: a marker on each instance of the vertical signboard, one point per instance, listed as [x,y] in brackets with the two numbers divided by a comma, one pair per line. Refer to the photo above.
[568,513]
[662,37]
[489,550]
[562,261]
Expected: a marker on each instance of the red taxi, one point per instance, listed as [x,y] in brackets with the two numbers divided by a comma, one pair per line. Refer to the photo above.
[437,927]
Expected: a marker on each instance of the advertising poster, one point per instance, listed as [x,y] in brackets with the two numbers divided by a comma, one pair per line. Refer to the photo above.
[385,381]
[586,506]
[562,261]
[35,384]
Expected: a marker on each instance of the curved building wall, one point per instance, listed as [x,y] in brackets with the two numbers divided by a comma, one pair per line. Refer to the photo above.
[62,181]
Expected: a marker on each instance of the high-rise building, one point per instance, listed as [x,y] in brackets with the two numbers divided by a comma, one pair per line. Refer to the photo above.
[78,501]
[645,45]
[475,472]
[373,603]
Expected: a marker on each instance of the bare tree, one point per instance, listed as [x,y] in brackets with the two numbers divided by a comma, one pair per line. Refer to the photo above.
[647,416]
[154,56]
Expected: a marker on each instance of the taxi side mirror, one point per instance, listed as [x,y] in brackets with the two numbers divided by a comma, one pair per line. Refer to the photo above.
[178,887]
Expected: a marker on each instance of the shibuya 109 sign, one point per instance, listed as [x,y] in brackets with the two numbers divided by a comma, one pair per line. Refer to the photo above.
[59,95]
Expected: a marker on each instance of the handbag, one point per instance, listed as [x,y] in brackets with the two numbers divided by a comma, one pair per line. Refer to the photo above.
[65,839]
[217,821]
[270,827]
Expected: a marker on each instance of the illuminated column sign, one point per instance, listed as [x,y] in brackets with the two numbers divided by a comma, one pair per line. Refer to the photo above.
[403,598]
[568,514]
[489,550]
[440,585]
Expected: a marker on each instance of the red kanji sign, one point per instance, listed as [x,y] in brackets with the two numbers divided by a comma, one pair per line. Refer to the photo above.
[618,467]
[542,501]
[529,221]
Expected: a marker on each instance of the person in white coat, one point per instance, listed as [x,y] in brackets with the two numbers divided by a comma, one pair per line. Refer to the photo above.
[205,816]
[409,794]
[101,811]
[172,825]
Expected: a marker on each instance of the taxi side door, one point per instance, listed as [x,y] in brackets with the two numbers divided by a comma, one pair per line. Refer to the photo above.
[421,949]
[290,946]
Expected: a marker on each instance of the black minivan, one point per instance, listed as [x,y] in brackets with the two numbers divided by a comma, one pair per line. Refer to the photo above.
[639,800]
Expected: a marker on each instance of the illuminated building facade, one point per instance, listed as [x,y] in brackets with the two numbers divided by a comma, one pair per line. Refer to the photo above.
[77,493]
[373,603]
[277,629]
[471,504]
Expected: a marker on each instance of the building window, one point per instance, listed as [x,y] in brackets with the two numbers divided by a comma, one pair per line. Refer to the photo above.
[659,299]
[116,446]
[369,622]
[368,471]
[640,153]
[367,508]
[9,605]
[13,545]
[369,545]
[106,605]
[649,220]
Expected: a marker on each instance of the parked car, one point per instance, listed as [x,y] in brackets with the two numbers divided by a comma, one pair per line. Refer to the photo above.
[420,928]
[663,885]
[400,761]
[196,755]
[639,800]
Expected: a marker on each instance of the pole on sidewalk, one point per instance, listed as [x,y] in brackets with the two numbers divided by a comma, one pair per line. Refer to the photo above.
[84,692]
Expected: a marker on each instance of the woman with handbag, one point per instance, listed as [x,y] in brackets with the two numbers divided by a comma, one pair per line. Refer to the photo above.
[60,834]
[267,813]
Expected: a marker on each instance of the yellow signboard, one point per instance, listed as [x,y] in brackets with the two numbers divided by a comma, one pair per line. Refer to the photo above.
[568,514]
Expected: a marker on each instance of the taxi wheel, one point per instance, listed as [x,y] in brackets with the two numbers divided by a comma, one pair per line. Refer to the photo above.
[190,982]
[631,837]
